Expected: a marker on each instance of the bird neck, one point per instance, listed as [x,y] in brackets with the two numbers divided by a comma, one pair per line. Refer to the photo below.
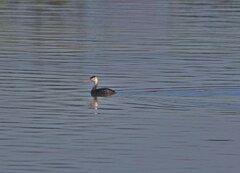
[95,85]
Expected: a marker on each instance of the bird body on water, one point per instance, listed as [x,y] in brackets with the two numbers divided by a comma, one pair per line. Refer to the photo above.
[104,92]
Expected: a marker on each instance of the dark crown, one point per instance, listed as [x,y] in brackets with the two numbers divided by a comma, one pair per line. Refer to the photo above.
[92,77]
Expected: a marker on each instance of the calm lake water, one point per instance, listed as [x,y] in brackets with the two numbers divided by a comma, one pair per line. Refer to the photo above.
[174,64]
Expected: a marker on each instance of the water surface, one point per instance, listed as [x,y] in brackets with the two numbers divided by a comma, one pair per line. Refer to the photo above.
[174,65]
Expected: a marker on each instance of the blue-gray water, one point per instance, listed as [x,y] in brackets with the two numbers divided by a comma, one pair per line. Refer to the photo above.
[174,64]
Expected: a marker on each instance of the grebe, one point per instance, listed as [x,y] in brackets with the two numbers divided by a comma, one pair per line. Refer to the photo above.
[104,92]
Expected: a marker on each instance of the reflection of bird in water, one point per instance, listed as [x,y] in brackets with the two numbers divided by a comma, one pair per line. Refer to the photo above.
[94,103]
[102,92]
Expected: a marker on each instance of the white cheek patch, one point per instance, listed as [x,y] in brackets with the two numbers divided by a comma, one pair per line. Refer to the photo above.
[95,80]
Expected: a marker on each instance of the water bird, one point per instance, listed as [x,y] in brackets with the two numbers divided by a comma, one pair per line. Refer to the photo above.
[102,92]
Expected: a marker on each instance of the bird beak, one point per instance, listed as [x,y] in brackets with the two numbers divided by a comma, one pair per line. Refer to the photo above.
[87,80]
